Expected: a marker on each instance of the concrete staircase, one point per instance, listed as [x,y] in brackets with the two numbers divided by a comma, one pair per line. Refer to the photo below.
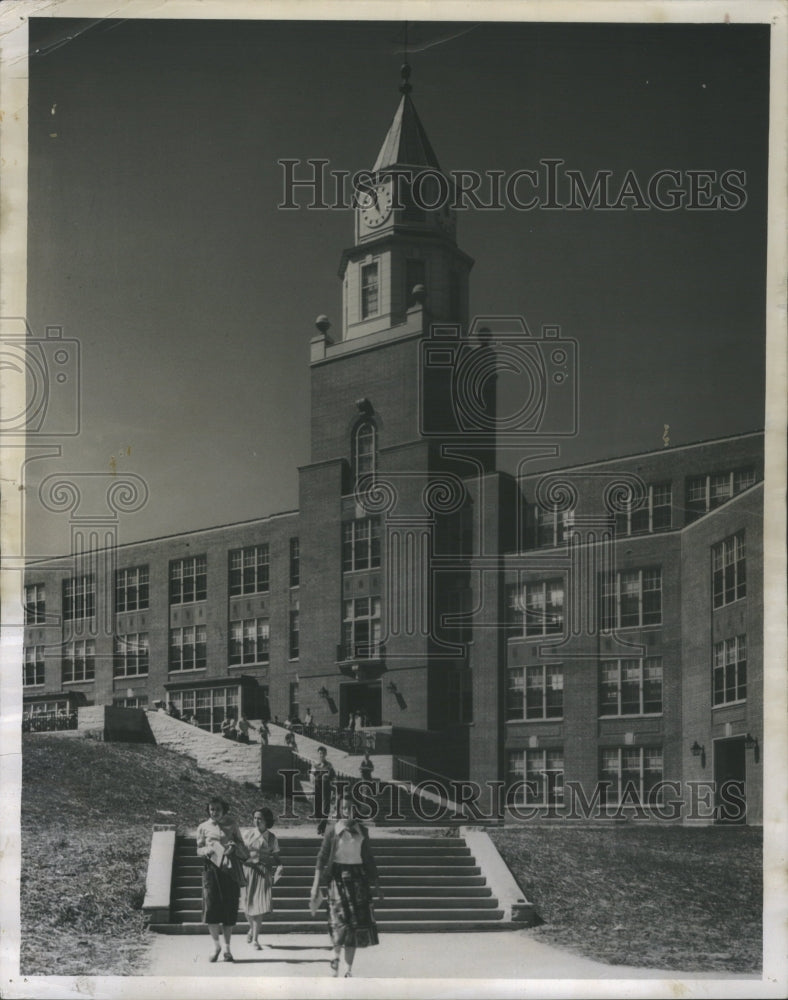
[430,883]
[238,761]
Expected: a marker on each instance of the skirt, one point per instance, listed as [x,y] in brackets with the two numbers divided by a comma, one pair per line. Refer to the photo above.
[351,919]
[258,893]
[220,896]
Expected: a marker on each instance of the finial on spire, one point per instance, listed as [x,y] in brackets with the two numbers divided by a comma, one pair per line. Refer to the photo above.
[404,72]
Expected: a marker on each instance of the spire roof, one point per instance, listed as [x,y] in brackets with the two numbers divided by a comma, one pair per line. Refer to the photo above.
[406,143]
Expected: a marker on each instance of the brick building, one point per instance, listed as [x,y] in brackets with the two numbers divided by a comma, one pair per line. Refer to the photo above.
[595,624]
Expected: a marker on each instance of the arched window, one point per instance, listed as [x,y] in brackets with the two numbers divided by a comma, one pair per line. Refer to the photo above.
[364,450]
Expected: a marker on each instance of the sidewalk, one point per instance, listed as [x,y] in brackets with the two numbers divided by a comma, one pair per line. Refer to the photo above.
[487,955]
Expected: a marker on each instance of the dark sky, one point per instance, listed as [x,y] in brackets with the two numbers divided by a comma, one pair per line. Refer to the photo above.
[156,241]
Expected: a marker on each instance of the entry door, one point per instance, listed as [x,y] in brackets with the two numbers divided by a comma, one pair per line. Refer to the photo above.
[729,780]
[364,698]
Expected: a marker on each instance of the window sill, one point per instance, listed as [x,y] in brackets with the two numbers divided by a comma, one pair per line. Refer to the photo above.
[128,677]
[90,680]
[720,607]
[557,718]
[729,704]
[188,670]
[636,715]
[28,687]
[246,666]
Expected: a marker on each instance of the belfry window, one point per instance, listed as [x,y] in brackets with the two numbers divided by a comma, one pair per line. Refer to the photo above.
[369,290]
[364,450]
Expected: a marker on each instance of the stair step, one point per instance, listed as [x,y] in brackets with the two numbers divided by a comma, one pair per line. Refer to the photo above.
[193,890]
[318,927]
[192,909]
[385,879]
[381,913]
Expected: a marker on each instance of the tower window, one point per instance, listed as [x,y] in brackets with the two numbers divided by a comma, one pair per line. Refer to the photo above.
[364,450]
[369,290]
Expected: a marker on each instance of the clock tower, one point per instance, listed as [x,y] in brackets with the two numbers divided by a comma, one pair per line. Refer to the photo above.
[405,250]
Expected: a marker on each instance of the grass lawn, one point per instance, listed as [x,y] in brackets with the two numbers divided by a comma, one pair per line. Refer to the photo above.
[88,809]
[678,898]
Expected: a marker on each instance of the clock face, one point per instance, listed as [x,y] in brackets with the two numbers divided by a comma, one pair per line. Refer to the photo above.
[375,205]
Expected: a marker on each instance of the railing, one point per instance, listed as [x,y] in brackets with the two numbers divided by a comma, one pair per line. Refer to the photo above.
[347,651]
[349,740]
[48,722]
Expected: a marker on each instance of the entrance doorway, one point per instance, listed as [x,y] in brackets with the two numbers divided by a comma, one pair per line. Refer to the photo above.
[729,781]
[360,697]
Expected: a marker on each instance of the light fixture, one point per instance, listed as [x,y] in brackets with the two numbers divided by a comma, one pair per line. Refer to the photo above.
[323,692]
[392,687]
[750,742]
[699,751]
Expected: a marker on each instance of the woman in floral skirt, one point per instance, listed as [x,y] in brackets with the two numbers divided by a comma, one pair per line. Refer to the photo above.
[345,864]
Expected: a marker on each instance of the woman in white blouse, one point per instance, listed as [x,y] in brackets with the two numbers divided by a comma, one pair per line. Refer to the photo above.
[345,864]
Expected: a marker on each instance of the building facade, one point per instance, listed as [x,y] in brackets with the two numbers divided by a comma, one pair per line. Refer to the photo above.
[596,628]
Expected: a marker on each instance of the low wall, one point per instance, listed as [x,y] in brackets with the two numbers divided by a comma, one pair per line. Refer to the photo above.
[273,760]
[113,724]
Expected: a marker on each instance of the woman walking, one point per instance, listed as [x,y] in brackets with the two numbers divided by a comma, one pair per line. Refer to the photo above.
[263,866]
[220,844]
[346,865]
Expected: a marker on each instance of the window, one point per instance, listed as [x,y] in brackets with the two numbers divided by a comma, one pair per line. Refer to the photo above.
[79,598]
[632,599]
[249,570]
[729,571]
[551,527]
[369,290]
[361,544]
[131,654]
[136,701]
[361,627]
[630,687]
[79,660]
[295,563]
[364,450]
[293,638]
[188,580]
[704,493]
[630,771]
[249,641]
[536,609]
[35,604]
[131,589]
[209,705]
[730,670]
[415,274]
[188,648]
[535,692]
[653,515]
[295,707]
[536,777]
[33,668]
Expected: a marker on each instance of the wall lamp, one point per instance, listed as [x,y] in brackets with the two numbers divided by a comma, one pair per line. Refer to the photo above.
[392,687]
[323,692]
[699,751]
[751,743]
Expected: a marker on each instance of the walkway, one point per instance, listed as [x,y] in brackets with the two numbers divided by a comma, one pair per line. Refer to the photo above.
[480,955]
